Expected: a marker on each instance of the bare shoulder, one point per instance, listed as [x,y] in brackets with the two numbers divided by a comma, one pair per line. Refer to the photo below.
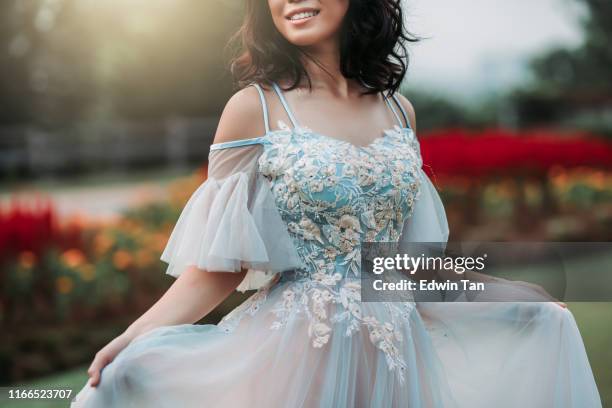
[242,117]
[407,105]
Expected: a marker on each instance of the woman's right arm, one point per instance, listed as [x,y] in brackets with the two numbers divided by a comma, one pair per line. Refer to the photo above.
[193,295]
[196,292]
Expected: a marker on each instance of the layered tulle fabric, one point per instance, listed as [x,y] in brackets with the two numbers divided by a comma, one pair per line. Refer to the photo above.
[231,222]
[509,346]
[251,365]
[511,354]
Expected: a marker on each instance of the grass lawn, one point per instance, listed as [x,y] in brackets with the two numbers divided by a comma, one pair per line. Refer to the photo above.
[74,379]
[595,323]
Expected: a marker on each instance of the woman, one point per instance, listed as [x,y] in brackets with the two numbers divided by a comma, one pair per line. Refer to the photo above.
[318,156]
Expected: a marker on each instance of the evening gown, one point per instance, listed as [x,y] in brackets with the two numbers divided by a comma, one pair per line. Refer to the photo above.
[293,207]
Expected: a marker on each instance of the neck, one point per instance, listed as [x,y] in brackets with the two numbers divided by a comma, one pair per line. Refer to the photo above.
[326,74]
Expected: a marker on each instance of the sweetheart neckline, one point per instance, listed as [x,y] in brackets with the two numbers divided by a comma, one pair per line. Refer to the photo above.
[252,140]
[384,135]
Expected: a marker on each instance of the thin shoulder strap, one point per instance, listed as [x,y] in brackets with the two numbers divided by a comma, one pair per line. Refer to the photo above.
[251,140]
[264,106]
[279,92]
[393,110]
[404,114]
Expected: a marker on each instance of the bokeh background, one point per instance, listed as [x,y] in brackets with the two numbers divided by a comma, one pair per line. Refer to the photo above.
[108,108]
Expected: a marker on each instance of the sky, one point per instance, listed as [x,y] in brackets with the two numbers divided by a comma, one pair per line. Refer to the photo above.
[478,47]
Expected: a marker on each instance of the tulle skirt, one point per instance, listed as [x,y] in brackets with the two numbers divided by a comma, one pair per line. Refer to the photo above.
[455,354]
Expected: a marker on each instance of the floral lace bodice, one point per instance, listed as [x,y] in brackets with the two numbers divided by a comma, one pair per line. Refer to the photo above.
[301,203]
[333,196]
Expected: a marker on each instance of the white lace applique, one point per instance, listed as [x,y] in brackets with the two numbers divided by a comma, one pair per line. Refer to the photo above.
[249,308]
[313,298]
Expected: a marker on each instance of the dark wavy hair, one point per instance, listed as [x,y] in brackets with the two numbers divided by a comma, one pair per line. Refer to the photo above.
[372,47]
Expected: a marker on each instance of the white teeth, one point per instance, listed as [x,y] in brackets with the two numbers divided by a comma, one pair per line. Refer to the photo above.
[305,14]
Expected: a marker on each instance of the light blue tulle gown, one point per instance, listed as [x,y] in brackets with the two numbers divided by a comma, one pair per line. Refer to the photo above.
[293,206]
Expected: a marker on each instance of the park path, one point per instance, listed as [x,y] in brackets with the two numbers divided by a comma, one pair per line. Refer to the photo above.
[104,201]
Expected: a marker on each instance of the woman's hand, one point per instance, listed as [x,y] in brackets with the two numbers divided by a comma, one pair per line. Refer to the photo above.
[192,296]
[105,356]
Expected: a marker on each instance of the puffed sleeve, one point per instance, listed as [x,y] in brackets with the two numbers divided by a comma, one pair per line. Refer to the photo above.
[427,223]
[231,222]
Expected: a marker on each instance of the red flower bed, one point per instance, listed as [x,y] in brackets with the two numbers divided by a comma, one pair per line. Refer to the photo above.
[459,152]
[34,227]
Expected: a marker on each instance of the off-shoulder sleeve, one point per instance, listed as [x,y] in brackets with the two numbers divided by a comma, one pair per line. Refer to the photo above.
[427,223]
[231,222]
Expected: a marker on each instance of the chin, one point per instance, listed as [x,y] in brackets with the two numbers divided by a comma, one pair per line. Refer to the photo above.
[311,36]
[305,39]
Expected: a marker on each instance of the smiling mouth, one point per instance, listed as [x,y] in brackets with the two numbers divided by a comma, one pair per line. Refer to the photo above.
[303,15]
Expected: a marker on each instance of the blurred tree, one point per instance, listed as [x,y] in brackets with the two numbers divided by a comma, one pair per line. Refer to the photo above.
[14,91]
[68,60]
[571,80]
[437,111]
[587,68]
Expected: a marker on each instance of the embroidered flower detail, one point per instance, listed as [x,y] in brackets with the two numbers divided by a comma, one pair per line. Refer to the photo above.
[248,308]
[384,336]
[325,279]
[310,230]
[330,253]
[349,221]
[314,298]
[320,332]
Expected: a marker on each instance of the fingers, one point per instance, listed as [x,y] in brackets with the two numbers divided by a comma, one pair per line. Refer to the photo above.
[95,379]
[94,375]
[94,371]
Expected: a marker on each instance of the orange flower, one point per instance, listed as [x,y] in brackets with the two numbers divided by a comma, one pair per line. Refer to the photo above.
[64,285]
[144,258]
[122,259]
[598,180]
[158,241]
[127,224]
[87,272]
[102,243]
[73,257]
[27,259]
